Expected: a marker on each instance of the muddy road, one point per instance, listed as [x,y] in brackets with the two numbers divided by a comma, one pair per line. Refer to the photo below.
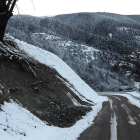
[118,120]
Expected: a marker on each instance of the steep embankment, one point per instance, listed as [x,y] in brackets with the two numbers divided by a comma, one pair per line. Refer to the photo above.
[43,84]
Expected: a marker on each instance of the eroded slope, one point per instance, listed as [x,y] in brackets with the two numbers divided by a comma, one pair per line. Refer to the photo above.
[38,88]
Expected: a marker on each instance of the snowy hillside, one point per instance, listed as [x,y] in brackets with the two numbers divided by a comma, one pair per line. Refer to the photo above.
[81,51]
[130,64]
[91,48]
[18,120]
[89,63]
[51,60]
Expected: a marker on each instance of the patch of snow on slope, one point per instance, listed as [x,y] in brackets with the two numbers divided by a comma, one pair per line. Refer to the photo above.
[62,68]
[17,123]
[75,102]
[75,91]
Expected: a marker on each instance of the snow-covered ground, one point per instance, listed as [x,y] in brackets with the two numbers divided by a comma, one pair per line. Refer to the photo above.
[134,93]
[17,123]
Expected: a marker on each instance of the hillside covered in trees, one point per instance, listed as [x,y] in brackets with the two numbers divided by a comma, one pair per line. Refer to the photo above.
[92,44]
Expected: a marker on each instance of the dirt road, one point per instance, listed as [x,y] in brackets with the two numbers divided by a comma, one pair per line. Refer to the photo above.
[118,120]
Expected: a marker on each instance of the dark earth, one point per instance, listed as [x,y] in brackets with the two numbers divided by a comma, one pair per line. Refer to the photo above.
[123,109]
[37,87]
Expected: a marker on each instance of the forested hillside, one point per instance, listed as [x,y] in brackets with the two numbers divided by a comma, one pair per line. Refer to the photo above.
[75,38]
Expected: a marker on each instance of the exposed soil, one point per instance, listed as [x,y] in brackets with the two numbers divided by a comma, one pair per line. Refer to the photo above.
[101,129]
[37,87]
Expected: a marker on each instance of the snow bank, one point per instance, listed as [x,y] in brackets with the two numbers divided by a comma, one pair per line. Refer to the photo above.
[134,93]
[17,123]
[61,67]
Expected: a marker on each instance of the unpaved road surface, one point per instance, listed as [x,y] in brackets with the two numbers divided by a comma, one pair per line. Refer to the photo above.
[118,120]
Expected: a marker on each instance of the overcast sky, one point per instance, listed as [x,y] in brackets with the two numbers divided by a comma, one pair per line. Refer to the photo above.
[55,7]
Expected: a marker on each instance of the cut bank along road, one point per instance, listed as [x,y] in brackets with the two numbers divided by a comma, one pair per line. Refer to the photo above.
[118,120]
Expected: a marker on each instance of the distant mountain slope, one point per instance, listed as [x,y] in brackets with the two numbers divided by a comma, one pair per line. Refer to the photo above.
[103,30]
[105,27]
[89,22]
[108,33]
[130,65]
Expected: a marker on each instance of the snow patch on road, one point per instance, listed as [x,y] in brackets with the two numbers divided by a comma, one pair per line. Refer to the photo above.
[113,127]
[131,120]
[113,123]
[111,104]
[117,97]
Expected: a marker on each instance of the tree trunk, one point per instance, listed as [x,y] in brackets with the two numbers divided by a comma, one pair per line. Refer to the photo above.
[6,10]
[2,31]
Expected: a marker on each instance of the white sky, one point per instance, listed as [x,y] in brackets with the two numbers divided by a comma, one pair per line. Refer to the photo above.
[55,7]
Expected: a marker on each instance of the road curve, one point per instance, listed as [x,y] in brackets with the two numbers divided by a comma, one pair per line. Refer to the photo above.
[118,120]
